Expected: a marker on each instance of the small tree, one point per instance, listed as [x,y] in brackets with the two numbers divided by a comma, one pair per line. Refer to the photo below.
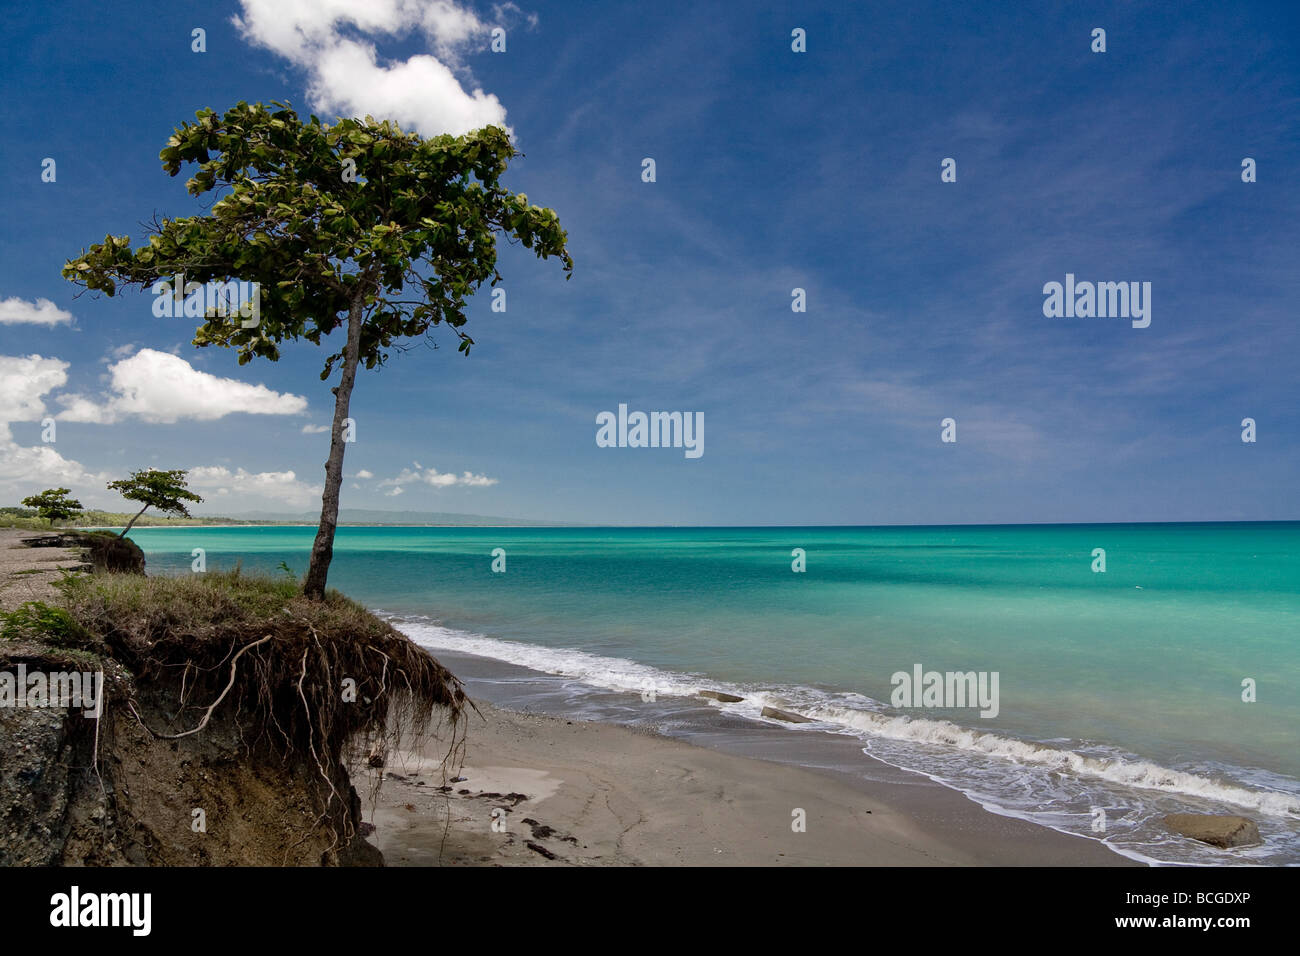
[358,226]
[165,490]
[54,504]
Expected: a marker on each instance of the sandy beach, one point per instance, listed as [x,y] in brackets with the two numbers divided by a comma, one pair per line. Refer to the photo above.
[575,793]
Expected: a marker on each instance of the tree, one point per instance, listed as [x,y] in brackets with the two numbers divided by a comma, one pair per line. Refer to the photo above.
[54,504]
[334,224]
[164,490]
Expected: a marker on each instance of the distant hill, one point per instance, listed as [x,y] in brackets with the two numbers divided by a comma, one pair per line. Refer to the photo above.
[367,516]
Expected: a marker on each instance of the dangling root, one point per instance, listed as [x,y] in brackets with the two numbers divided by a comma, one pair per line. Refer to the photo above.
[208,713]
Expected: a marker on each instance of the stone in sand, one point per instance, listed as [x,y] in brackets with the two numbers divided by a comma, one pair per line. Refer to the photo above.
[1217,829]
[719,695]
[786,716]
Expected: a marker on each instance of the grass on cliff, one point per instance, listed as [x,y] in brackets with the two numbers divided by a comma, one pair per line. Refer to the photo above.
[47,638]
[322,680]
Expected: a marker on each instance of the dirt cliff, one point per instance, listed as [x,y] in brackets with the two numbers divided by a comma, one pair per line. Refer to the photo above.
[233,714]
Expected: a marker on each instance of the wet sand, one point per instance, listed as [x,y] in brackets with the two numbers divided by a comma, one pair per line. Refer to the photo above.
[541,790]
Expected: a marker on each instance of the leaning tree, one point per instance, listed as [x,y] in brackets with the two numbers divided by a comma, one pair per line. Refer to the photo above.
[357,225]
[167,491]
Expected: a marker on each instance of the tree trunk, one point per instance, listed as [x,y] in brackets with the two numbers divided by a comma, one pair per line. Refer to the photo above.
[128,524]
[322,550]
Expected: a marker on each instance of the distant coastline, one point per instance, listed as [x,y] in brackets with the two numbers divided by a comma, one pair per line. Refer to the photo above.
[25,518]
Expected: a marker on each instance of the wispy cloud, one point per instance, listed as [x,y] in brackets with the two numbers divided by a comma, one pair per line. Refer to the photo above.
[436,479]
[282,487]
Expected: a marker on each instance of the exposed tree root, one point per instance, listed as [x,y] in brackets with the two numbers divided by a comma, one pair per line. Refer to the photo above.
[207,714]
[324,682]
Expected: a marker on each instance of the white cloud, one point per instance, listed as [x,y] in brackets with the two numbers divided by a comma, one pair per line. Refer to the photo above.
[315,429]
[363,473]
[24,381]
[332,41]
[431,476]
[278,486]
[159,387]
[396,491]
[14,311]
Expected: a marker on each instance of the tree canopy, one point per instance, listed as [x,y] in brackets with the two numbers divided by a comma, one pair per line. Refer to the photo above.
[53,504]
[166,491]
[318,214]
[358,225]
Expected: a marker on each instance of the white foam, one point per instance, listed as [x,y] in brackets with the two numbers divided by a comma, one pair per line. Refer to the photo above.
[1118,770]
[609,673]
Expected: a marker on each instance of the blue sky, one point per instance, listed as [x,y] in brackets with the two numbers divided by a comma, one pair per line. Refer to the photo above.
[775,170]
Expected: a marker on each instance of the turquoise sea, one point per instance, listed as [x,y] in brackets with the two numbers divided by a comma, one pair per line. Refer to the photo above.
[1120,693]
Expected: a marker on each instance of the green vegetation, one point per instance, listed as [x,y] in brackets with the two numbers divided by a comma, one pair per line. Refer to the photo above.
[11,517]
[358,226]
[39,622]
[53,504]
[154,622]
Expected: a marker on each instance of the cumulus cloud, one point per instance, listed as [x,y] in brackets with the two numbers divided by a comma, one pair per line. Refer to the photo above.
[14,311]
[363,473]
[310,429]
[164,388]
[431,476]
[279,486]
[333,40]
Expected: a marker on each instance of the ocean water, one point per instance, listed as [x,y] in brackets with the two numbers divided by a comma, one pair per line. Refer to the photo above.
[1120,694]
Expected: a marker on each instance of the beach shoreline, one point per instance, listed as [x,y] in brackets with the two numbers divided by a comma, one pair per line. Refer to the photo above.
[537,789]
